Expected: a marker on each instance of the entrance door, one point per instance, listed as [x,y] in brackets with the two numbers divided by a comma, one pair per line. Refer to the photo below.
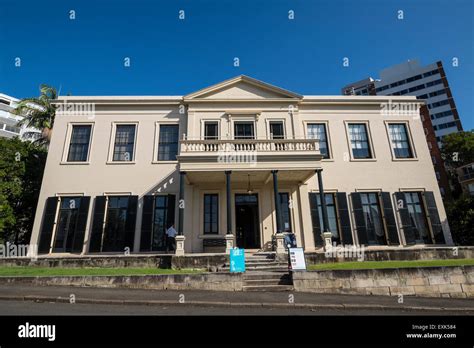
[246,221]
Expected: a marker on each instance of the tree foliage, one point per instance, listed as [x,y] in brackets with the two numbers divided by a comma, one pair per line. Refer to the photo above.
[21,172]
[461,219]
[39,112]
[457,149]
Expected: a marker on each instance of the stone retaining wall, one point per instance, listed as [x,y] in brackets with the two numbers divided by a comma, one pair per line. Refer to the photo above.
[423,281]
[397,254]
[206,281]
[208,262]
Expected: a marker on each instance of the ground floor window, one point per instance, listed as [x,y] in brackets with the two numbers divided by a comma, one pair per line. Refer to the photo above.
[66,224]
[317,217]
[373,218]
[113,226]
[158,215]
[417,215]
[163,218]
[285,211]
[211,213]
[114,233]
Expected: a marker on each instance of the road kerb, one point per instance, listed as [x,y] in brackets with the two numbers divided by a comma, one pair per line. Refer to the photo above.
[340,306]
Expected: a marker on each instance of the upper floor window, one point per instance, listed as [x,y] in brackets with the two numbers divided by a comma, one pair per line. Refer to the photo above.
[211,130]
[124,142]
[244,130]
[276,130]
[318,131]
[79,145]
[168,142]
[400,142]
[359,141]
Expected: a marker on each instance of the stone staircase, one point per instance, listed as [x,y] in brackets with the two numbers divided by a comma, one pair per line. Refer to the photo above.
[263,272]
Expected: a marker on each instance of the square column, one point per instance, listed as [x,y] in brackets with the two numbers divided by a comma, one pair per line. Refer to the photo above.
[181,205]
[326,235]
[229,237]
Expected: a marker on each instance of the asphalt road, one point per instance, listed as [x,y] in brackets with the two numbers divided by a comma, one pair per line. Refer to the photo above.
[18,299]
[54,308]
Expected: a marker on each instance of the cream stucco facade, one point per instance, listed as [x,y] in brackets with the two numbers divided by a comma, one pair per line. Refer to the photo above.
[252,161]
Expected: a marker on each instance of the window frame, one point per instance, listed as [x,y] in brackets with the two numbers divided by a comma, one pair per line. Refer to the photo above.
[373,157]
[379,206]
[424,209]
[110,158]
[409,137]
[212,233]
[156,142]
[67,143]
[269,121]
[59,197]
[241,121]
[203,128]
[328,136]
[290,211]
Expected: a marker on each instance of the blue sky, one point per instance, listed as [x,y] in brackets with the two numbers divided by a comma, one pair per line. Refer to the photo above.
[169,56]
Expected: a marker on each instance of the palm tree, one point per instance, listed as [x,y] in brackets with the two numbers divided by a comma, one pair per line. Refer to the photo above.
[39,113]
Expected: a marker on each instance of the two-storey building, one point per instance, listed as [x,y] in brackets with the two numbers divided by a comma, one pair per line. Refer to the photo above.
[239,161]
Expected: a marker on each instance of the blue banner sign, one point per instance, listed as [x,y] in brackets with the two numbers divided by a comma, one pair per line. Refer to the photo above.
[237,260]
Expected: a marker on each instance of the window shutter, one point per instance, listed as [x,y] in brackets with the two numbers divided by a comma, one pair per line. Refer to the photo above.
[48,225]
[97,224]
[433,217]
[170,211]
[130,223]
[344,219]
[313,204]
[389,217]
[405,218]
[359,218]
[147,223]
[78,242]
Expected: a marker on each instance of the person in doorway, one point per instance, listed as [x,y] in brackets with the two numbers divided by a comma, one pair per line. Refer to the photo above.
[290,240]
[170,238]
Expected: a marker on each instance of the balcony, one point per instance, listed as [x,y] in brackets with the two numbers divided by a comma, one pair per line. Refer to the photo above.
[245,154]
[466,173]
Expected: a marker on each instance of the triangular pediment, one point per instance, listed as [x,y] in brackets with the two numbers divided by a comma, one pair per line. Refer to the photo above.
[242,88]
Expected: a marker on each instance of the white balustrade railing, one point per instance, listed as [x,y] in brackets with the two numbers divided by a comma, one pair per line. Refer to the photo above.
[245,145]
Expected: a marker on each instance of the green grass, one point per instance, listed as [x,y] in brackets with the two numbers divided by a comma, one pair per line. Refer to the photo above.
[92,271]
[389,264]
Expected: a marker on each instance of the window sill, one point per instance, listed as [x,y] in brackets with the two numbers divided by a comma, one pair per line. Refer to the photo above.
[404,159]
[120,162]
[74,163]
[363,160]
[164,162]
[211,236]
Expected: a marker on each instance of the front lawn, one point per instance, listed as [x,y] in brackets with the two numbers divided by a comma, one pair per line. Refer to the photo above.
[389,264]
[89,271]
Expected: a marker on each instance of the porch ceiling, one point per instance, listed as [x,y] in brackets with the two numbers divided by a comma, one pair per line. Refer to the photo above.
[257,177]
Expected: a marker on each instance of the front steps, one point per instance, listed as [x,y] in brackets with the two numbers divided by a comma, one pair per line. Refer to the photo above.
[263,272]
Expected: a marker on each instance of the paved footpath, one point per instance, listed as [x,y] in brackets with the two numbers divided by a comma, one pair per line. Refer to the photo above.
[133,297]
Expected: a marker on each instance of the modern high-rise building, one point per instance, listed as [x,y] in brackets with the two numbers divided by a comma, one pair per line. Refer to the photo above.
[425,82]
[9,122]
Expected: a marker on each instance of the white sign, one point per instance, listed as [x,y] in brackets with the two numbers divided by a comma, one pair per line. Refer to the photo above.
[297,260]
